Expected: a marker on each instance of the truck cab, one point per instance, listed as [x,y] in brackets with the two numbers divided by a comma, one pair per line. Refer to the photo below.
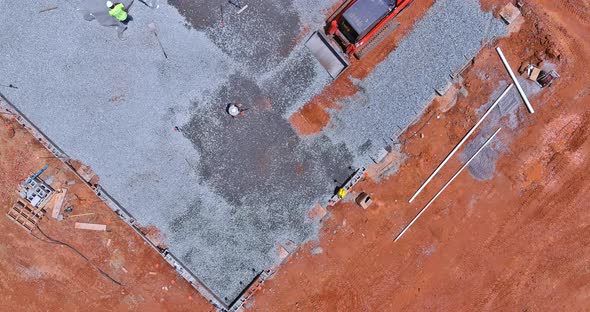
[360,18]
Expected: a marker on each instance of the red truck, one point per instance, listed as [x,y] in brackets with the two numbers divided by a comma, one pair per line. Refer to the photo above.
[353,29]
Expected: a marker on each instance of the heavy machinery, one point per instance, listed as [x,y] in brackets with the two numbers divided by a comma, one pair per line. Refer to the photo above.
[353,29]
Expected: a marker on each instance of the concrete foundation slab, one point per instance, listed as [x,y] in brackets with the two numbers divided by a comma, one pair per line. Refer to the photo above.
[225,192]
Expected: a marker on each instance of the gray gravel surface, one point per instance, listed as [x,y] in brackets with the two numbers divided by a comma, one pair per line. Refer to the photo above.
[224,192]
[397,91]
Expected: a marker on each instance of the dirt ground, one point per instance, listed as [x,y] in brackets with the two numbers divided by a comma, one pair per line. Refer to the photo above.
[41,276]
[516,242]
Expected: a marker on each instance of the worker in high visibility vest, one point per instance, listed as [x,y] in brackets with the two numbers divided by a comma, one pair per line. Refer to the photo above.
[117,10]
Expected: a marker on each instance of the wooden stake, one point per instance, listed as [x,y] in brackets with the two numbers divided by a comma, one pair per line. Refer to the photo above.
[48,9]
[90,226]
[58,203]
[82,214]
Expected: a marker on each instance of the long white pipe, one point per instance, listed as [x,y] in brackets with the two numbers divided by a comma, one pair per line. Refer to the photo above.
[520,91]
[444,187]
[461,142]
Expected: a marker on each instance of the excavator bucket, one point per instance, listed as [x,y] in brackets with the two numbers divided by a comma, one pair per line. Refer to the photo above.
[334,61]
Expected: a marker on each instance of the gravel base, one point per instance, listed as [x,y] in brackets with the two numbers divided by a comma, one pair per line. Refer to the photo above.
[224,192]
[394,95]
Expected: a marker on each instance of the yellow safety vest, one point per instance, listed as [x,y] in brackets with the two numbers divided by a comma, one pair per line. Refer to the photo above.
[118,12]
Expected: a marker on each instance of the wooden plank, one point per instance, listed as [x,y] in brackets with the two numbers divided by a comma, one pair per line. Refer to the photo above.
[86,173]
[534,74]
[509,13]
[24,223]
[59,201]
[48,9]
[90,226]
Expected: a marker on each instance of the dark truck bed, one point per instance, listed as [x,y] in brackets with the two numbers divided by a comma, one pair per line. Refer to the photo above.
[362,17]
[354,29]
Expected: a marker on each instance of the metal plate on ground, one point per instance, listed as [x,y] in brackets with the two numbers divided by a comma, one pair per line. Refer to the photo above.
[332,60]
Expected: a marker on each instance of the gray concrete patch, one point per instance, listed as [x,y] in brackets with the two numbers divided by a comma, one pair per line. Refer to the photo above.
[267,178]
[259,38]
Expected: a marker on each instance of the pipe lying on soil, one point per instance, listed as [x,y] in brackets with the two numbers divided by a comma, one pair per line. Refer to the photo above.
[444,187]
[461,142]
[511,73]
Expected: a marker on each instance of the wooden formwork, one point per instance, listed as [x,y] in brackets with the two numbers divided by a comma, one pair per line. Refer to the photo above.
[25,215]
[253,287]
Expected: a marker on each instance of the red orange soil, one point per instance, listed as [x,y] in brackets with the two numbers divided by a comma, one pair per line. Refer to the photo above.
[39,276]
[314,115]
[516,242]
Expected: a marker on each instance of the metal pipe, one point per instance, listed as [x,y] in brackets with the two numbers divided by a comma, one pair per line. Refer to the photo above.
[444,187]
[461,142]
[520,91]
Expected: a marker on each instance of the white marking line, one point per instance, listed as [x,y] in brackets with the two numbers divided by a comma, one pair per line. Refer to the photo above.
[461,143]
[520,91]
[444,187]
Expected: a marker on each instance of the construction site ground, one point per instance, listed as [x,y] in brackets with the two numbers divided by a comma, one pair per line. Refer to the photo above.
[510,234]
[517,241]
[145,109]
[42,276]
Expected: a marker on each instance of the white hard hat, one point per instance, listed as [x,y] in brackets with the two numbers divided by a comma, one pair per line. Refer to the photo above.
[109,4]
